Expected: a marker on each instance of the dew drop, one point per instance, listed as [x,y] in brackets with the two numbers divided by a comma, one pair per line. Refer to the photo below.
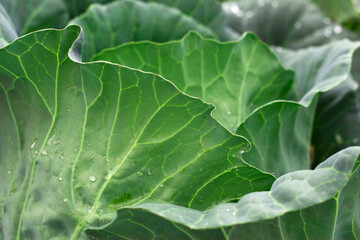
[139,173]
[228,112]
[9,172]
[229,166]
[44,152]
[92,178]
[60,178]
[236,10]
[36,151]
[261,3]
[338,138]
[75,150]
[228,210]
[161,185]
[337,29]
[149,172]
[275,4]
[233,155]
[298,25]
[236,169]
[100,211]
[65,199]
[328,32]
[249,14]
[51,140]
[89,211]
[32,145]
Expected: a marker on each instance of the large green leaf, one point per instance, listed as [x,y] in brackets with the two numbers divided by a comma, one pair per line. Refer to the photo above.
[293,24]
[323,69]
[271,128]
[79,140]
[319,204]
[208,12]
[238,78]
[124,21]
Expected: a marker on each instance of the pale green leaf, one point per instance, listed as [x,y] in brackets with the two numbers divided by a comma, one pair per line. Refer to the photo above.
[308,204]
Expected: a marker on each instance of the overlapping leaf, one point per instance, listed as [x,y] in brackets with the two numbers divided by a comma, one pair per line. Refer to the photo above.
[318,204]
[207,12]
[238,78]
[327,69]
[292,24]
[79,140]
[125,21]
[280,132]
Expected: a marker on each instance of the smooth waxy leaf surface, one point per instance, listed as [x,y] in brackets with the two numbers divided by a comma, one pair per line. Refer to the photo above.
[125,21]
[81,140]
[292,24]
[294,208]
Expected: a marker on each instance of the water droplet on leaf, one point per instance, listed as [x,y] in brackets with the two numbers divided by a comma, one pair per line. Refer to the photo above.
[139,173]
[275,4]
[44,152]
[261,3]
[92,178]
[33,145]
[149,172]
[297,25]
[60,178]
[337,29]
[249,14]
[65,199]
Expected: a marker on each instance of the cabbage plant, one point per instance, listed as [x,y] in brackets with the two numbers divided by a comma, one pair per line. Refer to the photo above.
[182,119]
